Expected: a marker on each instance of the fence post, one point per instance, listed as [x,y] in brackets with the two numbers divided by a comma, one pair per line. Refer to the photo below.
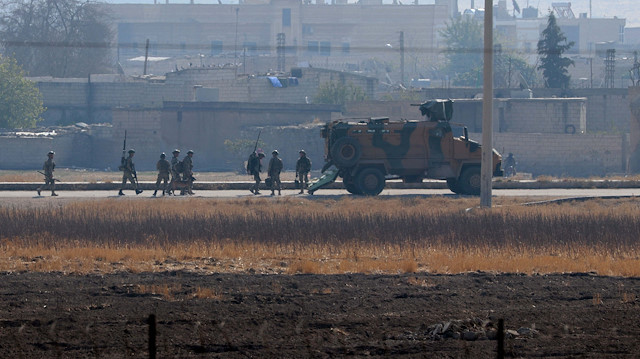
[152,336]
[500,338]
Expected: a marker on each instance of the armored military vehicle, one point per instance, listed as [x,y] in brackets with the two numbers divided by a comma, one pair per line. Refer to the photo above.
[365,153]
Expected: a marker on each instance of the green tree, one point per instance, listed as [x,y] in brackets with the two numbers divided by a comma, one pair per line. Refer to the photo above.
[464,53]
[20,99]
[550,49]
[61,38]
[337,93]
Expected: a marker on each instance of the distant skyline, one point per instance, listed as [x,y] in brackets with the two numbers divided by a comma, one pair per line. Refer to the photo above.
[627,9]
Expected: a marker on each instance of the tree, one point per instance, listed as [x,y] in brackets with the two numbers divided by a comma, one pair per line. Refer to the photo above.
[465,56]
[550,49]
[60,38]
[464,53]
[337,93]
[20,99]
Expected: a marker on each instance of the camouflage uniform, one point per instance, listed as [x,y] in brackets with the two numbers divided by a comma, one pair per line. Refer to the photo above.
[129,174]
[254,167]
[175,175]
[164,167]
[274,169]
[48,168]
[303,167]
[187,174]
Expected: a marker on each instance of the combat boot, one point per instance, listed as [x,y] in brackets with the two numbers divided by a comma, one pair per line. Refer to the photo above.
[301,191]
[155,192]
[120,193]
[38,191]
[163,193]
[138,191]
[273,193]
[279,193]
[53,194]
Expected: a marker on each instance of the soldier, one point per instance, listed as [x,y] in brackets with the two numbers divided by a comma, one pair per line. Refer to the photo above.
[509,166]
[129,173]
[164,167]
[274,169]
[254,167]
[303,167]
[175,175]
[187,168]
[48,168]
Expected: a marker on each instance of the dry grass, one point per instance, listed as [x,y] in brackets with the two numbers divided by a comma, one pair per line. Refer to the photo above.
[349,235]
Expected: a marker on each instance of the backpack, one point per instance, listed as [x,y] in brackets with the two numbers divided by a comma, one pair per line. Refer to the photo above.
[180,167]
[251,162]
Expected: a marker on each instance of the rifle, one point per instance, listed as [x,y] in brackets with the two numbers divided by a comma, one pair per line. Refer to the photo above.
[255,148]
[45,176]
[124,149]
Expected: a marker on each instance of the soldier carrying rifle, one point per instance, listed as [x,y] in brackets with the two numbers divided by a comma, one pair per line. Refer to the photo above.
[48,168]
[129,173]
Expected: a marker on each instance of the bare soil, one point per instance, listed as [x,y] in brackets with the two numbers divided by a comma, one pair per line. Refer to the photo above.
[318,316]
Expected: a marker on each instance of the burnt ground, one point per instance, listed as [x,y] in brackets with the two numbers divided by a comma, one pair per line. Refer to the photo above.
[318,316]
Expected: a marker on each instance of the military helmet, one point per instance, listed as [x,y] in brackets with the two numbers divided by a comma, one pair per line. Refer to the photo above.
[190,151]
[51,153]
[132,151]
[275,152]
[303,152]
[162,155]
[176,151]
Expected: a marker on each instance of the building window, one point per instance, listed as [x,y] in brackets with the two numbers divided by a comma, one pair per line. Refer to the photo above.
[346,48]
[216,47]
[312,47]
[286,17]
[325,48]
[621,35]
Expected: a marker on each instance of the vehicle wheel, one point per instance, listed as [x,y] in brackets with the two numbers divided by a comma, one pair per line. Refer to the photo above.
[453,185]
[345,152]
[412,179]
[351,188]
[470,181]
[370,181]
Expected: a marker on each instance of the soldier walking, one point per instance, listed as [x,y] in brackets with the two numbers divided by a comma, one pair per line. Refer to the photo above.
[187,168]
[164,167]
[175,174]
[274,169]
[129,173]
[48,168]
[303,167]
[254,167]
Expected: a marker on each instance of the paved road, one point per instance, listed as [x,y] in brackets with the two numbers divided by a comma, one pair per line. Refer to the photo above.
[326,193]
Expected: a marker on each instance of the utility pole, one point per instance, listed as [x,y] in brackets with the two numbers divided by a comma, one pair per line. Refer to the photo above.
[486,170]
[146,57]
[402,58]
[235,45]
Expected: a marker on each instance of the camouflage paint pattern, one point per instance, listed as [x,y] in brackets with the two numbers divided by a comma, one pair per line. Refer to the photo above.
[409,148]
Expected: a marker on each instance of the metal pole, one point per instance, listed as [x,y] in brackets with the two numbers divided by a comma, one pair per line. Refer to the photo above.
[486,170]
[402,58]
[235,45]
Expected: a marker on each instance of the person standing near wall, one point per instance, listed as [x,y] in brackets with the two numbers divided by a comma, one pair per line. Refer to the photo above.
[303,167]
[274,169]
[254,167]
[187,168]
[175,175]
[48,168]
[164,167]
[129,173]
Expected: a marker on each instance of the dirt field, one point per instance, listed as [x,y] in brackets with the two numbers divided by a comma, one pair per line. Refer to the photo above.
[318,316]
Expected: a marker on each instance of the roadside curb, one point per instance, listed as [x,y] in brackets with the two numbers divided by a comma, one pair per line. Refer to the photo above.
[393,184]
